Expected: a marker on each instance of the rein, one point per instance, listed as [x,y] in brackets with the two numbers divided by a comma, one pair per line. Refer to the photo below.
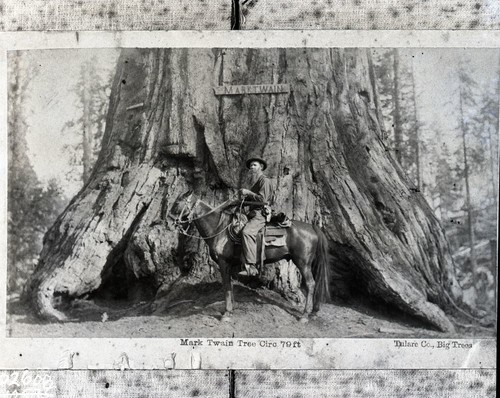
[190,219]
[184,232]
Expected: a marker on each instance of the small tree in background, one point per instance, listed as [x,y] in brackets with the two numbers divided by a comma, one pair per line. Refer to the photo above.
[31,208]
[92,91]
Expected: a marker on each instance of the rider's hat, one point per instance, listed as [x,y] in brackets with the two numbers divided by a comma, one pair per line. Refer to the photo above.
[256,159]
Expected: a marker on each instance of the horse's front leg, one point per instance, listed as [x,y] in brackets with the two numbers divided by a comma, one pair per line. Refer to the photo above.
[227,284]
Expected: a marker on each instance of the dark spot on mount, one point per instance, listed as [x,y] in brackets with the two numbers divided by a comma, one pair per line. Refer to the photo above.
[477,6]
[106,385]
[111,14]
[371,15]
[367,149]
[474,24]
[195,392]
[394,13]
[124,81]
[318,13]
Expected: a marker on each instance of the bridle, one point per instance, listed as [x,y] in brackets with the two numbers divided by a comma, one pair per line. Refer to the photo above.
[187,206]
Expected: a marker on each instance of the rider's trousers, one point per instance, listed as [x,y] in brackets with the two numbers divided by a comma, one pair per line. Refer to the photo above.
[249,238]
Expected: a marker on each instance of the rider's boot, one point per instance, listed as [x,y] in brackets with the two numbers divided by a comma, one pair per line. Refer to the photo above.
[249,270]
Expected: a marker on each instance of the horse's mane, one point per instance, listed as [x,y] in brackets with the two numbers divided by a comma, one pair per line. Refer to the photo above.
[225,214]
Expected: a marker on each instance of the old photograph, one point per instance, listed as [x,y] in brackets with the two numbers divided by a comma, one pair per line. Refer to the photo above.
[252,192]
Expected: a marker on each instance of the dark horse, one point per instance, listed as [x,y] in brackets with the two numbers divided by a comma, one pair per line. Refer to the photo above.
[306,246]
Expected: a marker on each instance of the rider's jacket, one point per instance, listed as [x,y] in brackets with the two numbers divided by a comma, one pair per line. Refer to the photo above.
[262,192]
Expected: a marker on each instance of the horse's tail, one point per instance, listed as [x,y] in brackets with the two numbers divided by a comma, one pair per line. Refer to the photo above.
[321,270]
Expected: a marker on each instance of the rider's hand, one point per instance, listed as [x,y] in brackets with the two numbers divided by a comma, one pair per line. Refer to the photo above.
[244,192]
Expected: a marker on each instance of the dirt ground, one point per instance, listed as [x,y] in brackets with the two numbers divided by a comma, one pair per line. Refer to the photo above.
[197,313]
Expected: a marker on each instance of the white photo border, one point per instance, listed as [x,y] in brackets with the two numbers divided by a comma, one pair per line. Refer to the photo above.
[245,353]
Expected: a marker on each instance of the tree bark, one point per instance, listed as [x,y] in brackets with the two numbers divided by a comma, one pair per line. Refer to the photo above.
[324,150]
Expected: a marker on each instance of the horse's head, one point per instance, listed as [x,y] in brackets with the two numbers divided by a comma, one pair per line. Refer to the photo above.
[182,208]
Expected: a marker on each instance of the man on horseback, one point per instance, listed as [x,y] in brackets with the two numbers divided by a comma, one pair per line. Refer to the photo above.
[260,193]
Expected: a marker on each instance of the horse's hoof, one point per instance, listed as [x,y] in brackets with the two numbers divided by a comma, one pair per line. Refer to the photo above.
[226,317]
[304,319]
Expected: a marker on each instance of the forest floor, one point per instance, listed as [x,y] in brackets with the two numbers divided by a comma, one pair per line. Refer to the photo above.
[197,312]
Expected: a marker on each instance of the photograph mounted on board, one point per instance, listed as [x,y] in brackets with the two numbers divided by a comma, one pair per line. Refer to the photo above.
[280,192]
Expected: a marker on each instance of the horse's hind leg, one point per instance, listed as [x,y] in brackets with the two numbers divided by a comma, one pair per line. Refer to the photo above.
[305,269]
[228,291]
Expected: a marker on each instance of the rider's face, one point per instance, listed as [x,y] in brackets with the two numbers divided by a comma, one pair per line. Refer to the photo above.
[255,167]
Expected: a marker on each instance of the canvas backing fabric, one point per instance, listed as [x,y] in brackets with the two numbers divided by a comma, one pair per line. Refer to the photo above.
[254,14]
[249,384]
[120,384]
[115,15]
[371,383]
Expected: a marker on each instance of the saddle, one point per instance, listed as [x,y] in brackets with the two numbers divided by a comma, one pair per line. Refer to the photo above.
[275,230]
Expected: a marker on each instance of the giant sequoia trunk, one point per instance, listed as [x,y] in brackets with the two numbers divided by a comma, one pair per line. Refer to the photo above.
[166,132]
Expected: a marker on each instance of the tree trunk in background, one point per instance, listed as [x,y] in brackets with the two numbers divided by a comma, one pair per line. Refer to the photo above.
[416,132]
[166,132]
[87,132]
[17,142]
[21,245]
[468,204]
[492,143]
[398,134]
[493,170]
